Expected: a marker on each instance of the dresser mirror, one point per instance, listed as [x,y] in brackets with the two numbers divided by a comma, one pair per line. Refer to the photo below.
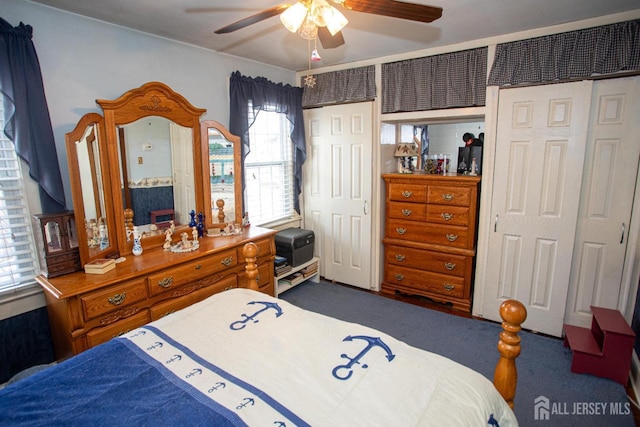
[156,167]
[149,162]
[224,174]
[90,185]
[153,140]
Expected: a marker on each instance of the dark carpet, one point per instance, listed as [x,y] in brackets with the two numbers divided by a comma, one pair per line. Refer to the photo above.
[544,366]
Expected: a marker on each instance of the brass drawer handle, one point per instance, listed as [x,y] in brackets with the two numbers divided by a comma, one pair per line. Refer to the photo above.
[166,282]
[447,196]
[407,194]
[449,265]
[227,261]
[448,287]
[407,212]
[117,299]
[401,230]
[399,277]
[400,257]
[447,216]
[452,237]
[198,267]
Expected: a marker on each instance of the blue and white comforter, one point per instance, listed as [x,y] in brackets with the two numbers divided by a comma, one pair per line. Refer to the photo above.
[244,358]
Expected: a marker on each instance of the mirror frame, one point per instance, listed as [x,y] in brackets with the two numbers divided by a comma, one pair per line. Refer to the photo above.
[90,119]
[150,99]
[211,220]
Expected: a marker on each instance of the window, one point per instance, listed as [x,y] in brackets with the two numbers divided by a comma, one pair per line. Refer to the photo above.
[268,169]
[18,262]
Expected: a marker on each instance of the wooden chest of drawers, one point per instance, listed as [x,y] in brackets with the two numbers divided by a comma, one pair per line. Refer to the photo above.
[88,309]
[430,236]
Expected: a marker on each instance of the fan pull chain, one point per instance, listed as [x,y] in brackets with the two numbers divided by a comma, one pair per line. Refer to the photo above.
[310,80]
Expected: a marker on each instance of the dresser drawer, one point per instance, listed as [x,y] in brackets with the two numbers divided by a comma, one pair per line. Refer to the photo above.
[451,215]
[418,280]
[265,278]
[164,308]
[173,278]
[115,298]
[100,335]
[409,211]
[437,262]
[407,192]
[264,249]
[449,195]
[445,235]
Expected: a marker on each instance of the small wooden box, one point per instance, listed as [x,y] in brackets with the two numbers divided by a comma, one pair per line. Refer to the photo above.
[58,243]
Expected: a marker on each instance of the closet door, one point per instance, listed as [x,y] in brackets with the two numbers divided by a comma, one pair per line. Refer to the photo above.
[540,149]
[338,188]
[608,187]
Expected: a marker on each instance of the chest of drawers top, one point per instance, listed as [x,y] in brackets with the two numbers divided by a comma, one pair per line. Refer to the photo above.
[450,190]
[431,210]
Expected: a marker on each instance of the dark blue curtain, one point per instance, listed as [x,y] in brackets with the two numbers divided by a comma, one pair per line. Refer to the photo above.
[266,95]
[28,123]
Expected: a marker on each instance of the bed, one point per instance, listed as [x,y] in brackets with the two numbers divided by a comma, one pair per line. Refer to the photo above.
[242,357]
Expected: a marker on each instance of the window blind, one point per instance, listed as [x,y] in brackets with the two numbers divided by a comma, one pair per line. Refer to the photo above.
[268,169]
[18,257]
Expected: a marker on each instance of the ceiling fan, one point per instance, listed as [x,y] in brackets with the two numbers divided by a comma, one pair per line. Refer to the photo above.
[318,18]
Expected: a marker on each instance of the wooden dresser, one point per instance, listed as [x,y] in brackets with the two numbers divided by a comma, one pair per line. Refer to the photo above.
[430,236]
[88,309]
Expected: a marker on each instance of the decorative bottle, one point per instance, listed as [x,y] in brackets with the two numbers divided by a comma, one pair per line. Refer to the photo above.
[104,242]
[200,226]
[137,246]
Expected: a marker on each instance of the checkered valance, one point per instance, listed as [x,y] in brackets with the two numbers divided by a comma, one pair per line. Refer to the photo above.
[576,54]
[456,79]
[338,87]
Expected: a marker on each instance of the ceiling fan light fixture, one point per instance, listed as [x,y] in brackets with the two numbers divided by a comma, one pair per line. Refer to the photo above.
[293,17]
[333,19]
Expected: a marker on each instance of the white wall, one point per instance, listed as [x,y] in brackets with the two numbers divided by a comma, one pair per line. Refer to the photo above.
[83,59]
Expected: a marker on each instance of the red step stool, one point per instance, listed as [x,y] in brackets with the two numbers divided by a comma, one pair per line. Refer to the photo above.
[605,350]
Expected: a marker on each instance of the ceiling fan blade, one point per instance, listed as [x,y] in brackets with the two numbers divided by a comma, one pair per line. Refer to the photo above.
[260,16]
[327,40]
[395,9]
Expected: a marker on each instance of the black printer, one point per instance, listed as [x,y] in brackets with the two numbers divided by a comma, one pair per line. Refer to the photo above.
[296,245]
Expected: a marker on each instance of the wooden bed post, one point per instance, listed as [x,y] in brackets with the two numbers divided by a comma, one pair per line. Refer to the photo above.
[505,378]
[250,252]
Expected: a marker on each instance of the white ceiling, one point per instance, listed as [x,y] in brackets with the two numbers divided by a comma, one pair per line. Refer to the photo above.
[366,36]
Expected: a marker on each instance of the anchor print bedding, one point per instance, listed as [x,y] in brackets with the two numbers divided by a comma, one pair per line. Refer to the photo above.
[244,358]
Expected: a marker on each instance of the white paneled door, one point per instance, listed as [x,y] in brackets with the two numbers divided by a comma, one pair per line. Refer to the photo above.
[337,190]
[539,160]
[607,196]
[182,166]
